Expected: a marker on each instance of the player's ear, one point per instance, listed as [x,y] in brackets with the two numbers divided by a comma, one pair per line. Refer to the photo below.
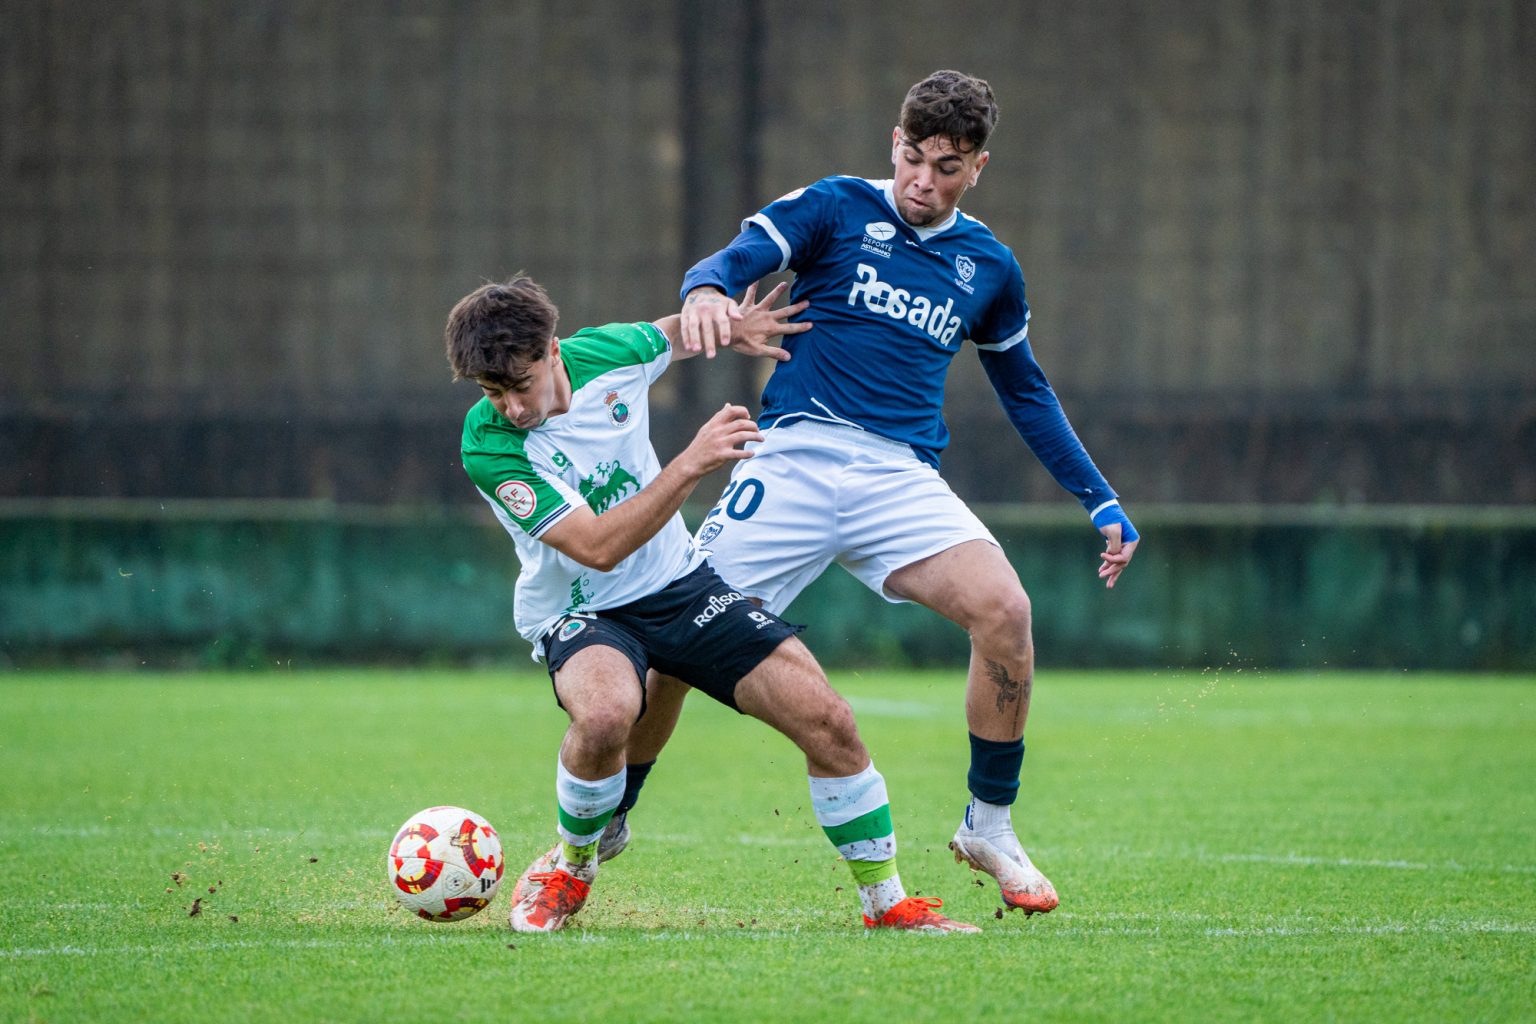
[895,143]
[981,162]
[554,347]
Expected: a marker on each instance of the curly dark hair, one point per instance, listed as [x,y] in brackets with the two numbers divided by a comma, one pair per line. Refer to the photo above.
[951,104]
[498,326]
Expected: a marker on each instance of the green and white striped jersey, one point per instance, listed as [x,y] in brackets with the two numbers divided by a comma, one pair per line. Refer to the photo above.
[598,452]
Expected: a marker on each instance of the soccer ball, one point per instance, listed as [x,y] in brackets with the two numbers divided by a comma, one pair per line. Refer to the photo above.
[445,864]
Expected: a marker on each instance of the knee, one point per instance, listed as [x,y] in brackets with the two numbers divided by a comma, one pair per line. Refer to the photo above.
[831,740]
[1006,620]
[606,728]
[834,721]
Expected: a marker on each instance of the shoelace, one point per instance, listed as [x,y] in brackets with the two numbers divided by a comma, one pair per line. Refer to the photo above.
[557,880]
[919,905]
[913,908]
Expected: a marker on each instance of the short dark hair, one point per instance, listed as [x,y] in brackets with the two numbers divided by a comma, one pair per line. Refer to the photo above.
[497,326]
[951,104]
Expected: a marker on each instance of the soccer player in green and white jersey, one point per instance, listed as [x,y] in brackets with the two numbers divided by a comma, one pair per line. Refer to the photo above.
[613,585]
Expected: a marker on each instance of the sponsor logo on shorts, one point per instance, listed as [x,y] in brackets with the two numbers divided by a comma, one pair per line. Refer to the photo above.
[518,497]
[571,628]
[717,604]
[759,618]
[710,532]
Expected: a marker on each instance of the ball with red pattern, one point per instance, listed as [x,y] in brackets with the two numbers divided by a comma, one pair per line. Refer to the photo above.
[445,864]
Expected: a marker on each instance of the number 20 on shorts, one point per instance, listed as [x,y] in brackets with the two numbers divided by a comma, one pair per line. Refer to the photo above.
[740,500]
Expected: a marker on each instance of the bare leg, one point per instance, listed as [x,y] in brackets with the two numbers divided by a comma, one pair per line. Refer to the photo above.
[599,690]
[789,692]
[973,586]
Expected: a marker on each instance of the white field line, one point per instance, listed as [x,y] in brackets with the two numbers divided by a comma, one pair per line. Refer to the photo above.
[809,838]
[1306,860]
[416,939]
[880,707]
[1389,928]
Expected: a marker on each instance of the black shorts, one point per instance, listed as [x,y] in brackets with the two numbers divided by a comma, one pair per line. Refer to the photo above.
[698,629]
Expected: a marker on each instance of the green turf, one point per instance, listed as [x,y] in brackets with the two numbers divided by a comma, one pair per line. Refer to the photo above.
[1228,847]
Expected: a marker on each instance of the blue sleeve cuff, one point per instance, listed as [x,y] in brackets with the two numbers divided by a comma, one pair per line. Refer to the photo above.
[750,255]
[1111,512]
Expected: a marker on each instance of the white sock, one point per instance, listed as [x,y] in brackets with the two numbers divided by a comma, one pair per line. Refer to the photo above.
[881,896]
[989,819]
[585,808]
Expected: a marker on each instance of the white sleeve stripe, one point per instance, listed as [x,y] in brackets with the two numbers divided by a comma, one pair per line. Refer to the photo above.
[1101,508]
[773,233]
[1009,342]
[550,520]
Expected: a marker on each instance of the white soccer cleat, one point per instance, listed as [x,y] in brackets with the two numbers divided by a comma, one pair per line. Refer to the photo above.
[615,838]
[1001,856]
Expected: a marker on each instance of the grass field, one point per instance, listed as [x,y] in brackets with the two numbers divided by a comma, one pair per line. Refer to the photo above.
[1228,846]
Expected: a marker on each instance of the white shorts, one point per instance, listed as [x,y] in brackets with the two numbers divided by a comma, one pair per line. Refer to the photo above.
[815,493]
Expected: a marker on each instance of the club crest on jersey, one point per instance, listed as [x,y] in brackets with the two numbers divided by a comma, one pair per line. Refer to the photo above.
[710,532]
[966,268]
[899,304]
[518,497]
[571,628]
[877,238]
[618,412]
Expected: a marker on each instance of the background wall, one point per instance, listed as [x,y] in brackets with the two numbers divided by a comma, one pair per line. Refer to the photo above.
[247,585]
[1276,252]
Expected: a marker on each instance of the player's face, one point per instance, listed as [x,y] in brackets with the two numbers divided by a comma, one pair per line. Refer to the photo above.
[533,391]
[931,176]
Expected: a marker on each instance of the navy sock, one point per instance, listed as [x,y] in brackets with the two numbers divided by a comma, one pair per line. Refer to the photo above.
[995,766]
[634,778]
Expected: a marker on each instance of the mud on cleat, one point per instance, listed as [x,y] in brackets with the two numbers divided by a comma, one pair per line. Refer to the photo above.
[543,864]
[549,900]
[919,914]
[1022,885]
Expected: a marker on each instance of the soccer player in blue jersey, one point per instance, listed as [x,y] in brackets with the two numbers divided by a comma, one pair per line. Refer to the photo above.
[898,280]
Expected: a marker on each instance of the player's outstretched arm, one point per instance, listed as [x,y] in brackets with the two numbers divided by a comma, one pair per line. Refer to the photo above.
[759,324]
[601,542]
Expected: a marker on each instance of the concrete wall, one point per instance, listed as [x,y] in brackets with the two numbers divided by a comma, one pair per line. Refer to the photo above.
[1276,251]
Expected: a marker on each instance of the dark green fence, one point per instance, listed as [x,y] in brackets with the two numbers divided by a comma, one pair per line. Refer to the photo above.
[261,584]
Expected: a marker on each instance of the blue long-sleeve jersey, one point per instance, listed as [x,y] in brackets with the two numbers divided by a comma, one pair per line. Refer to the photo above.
[892,304]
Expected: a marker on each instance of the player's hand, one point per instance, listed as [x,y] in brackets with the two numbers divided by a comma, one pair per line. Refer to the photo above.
[760,321]
[718,441]
[1116,555]
[707,317]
